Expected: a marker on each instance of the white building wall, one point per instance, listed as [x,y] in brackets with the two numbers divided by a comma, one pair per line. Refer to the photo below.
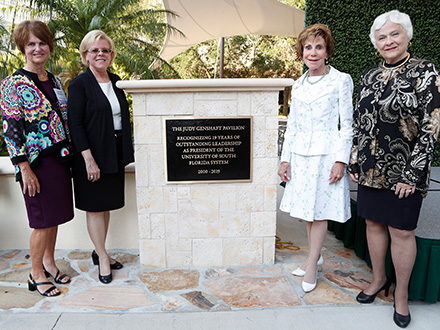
[14,225]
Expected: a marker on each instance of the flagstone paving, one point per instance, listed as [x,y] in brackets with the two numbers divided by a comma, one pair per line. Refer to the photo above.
[200,289]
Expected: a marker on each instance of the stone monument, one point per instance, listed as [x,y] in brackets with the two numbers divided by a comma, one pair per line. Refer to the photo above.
[213,215]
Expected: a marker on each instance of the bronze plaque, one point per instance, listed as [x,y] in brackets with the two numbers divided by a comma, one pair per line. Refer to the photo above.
[208,149]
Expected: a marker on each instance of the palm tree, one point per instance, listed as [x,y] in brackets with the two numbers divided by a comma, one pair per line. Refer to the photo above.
[9,62]
[137,31]
[8,58]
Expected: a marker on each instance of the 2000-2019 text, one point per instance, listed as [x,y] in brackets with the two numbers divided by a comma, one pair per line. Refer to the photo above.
[211,171]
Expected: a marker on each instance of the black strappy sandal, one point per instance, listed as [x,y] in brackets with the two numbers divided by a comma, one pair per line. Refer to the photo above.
[58,278]
[33,286]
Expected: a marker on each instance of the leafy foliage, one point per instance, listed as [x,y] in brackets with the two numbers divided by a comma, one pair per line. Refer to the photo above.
[137,31]
[245,57]
[9,62]
[350,22]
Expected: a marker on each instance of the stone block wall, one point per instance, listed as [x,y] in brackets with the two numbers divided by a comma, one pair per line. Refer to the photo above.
[205,224]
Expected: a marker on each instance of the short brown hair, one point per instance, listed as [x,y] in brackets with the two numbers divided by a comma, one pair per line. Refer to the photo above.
[39,29]
[315,30]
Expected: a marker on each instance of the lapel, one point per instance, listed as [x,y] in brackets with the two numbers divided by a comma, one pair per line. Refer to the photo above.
[309,95]
[99,94]
[119,93]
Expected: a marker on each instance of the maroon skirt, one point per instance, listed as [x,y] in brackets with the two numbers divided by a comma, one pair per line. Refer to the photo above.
[54,204]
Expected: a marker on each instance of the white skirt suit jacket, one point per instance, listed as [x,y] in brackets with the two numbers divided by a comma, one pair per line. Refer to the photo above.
[319,133]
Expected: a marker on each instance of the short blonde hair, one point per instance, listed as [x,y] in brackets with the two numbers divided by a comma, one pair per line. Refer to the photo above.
[315,30]
[89,39]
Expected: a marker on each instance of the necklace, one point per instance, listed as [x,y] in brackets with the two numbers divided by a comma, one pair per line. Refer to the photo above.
[327,69]
[42,76]
[397,66]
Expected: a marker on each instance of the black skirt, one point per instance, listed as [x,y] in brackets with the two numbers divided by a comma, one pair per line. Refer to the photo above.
[383,206]
[106,194]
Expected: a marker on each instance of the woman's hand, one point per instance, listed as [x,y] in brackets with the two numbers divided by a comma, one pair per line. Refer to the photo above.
[403,190]
[354,177]
[29,179]
[93,171]
[337,172]
[284,171]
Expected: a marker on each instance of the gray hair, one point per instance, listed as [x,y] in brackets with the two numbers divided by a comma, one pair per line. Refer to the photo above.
[394,16]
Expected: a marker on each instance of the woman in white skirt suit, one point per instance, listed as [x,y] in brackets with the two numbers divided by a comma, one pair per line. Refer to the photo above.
[317,146]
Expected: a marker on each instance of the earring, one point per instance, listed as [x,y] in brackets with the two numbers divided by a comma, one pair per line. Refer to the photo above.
[326,61]
[377,54]
[409,44]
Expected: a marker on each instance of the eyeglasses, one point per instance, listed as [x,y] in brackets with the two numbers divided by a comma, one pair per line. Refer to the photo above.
[96,51]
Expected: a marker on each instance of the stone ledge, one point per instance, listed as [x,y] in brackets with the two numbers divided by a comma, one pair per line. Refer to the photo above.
[199,85]
[6,167]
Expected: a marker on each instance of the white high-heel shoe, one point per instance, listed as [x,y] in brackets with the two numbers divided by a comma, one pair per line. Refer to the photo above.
[307,287]
[300,272]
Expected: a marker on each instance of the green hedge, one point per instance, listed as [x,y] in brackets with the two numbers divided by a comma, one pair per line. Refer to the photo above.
[350,22]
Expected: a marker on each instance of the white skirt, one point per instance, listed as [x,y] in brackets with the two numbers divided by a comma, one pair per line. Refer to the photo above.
[309,196]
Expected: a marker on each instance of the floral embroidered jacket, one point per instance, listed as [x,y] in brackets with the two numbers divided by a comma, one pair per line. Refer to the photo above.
[396,124]
[320,122]
[32,125]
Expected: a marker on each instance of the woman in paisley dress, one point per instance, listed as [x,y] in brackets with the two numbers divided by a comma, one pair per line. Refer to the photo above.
[396,123]
[317,146]
[34,111]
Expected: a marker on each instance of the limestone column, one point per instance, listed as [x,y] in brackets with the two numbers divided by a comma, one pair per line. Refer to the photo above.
[205,224]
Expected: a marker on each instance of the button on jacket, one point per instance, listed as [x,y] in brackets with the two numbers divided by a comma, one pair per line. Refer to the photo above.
[320,120]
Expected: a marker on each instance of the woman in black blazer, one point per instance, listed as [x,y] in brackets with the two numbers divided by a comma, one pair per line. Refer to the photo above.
[99,123]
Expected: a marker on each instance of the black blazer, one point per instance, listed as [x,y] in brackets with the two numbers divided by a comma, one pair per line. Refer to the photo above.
[91,127]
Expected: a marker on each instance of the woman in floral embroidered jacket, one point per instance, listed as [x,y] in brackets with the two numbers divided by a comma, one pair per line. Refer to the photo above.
[34,111]
[396,123]
[316,146]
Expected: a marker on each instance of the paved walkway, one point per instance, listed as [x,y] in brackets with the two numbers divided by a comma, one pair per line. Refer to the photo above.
[256,297]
